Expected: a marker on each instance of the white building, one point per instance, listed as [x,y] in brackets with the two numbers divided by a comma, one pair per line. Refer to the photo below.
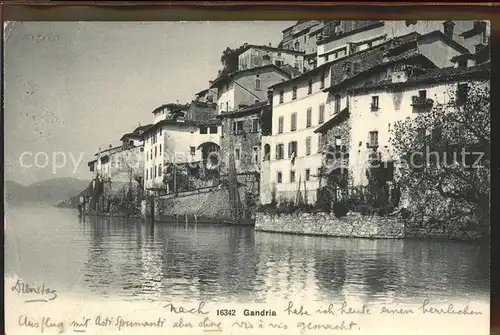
[176,140]
[247,87]
[303,103]
[376,107]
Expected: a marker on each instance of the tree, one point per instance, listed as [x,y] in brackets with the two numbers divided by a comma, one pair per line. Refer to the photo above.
[229,59]
[446,151]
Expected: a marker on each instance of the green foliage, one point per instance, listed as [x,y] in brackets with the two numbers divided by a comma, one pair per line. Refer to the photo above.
[451,129]
[229,59]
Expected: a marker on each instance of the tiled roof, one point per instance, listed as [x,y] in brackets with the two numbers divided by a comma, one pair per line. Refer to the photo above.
[442,75]
[227,76]
[405,58]
[293,72]
[366,58]
[247,109]
[333,121]
[266,47]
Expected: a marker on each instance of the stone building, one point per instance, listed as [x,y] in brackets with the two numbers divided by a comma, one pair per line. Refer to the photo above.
[258,55]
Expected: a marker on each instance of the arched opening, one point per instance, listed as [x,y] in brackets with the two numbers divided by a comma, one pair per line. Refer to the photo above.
[208,149]
[267,152]
[338,182]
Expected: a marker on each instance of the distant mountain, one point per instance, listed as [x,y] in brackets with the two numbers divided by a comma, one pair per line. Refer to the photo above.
[50,191]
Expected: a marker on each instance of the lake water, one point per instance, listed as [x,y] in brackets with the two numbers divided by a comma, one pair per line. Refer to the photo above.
[127,260]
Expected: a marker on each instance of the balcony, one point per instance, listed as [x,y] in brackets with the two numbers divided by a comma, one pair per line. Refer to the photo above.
[421,103]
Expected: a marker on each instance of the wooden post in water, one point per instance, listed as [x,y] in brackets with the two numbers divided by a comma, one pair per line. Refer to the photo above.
[196,219]
[176,218]
[186,218]
[152,210]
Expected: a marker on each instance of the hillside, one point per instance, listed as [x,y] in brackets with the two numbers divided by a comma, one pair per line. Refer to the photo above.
[50,191]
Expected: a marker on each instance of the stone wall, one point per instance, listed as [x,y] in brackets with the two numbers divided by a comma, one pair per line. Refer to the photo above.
[357,225]
[210,203]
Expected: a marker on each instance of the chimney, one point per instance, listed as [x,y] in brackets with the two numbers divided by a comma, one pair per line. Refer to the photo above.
[270,45]
[269,97]
[266,60]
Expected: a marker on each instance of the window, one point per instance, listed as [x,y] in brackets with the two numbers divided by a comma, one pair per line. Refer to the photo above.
[255,155]
[237,153]
[151,154]
[227,106]
[147,174]
[282,93]
[280,151]
[237,127]
[318,173]
[321,117]
[338,142]
[280,124]
[293,122]
[279,177]
[461,94]
[142,150]
[155,151]
[292,149]
[278,63]
[309,117]
[326,58]
[422,94]
[160,149]
[192,150]
[292,176]
[257,83]
[310,86]
[151,173]
[320,142]
[308,174]
[296,65]
[294,93]
[308,145]
[159,169]
[203,130]
[322,81]
[374,104]
[255,125]
[155,171]
[337,103]
[373,138]
[213,130]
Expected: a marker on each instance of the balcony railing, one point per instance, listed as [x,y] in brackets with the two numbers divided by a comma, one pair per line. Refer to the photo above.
[420,102]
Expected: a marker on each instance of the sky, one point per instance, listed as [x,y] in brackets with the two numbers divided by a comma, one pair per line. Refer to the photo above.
[72,87]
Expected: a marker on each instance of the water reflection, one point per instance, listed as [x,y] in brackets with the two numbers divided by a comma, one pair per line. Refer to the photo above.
[130,260]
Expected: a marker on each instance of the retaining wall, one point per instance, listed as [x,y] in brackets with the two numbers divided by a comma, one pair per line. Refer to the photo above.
[357,225]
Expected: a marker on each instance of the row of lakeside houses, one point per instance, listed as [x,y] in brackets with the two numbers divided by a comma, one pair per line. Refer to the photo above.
[328,84]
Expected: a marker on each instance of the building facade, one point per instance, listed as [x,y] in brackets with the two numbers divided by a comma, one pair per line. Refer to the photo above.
[302,36]
[259,55]
[246,87]
[341,38]
[175,140]
[304,103]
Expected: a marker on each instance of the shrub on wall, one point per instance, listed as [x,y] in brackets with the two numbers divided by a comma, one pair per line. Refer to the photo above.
[340,209]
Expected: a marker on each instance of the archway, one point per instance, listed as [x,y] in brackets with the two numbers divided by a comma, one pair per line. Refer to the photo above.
[207,149]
